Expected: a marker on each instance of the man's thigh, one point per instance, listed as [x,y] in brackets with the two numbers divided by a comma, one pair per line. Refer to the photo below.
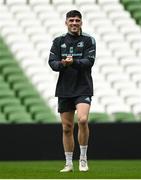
[82,110]
[83,104]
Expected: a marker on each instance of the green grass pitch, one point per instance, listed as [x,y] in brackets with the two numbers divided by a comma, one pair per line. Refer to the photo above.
[99,169]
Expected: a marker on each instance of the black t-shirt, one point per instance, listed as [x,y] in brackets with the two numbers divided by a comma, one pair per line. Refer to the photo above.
[75,79]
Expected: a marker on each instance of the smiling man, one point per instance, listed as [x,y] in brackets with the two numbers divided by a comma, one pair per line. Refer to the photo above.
[73,55]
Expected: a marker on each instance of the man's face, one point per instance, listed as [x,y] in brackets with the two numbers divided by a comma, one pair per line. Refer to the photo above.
[74,24]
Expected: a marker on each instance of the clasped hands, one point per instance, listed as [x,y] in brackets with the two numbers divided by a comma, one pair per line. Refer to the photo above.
[67,61]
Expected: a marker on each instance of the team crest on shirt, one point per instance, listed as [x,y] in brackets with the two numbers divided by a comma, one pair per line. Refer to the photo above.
[80,44]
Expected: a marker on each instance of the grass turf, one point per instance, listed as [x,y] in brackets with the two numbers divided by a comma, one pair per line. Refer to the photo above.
[99,169]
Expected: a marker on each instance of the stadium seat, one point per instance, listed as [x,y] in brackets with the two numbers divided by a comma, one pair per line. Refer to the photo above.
[9,109]
[127,2]
[6,93]
[19,118]
[129,29]
[132,100]
[133,7]
[110,99]
[124,92]
[117,107]
[43,117]
[64,8]
[124,117]
[132,60]
[9,101]
[124,22]
[28,102]
[15,79]
[25,94]
[133,37]
[41,113]
[99,118]
[84,2]
[117,77]
[41,7]
[137,15]
[118,14]
[9,2]
[136,108]
[136,45]
[118,85]
[42,2]
[139,117]
[110,68]
[7,62]
[2,118]
[112,6]
[130,69]
[8,71]
[136,77]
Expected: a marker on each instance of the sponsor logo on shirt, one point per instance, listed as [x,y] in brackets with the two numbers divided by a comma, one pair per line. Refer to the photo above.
[74,54]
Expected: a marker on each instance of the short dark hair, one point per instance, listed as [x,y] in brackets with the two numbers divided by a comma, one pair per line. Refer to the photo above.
[73,13]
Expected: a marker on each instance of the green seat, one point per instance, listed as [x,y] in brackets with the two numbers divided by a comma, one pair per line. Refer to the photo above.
[139,22]
[99,117]
[7,63]
[4,101]
[6,93]
[2,119]
[19,118]
[139,117]
[133,7]
[137,16]
[32,101]
[40,113]
[38,108]
[14,79]
[44,117]
[8,71]
[3,85]
[1,78]
[16,108]
[124,117]
[4,54]
[24,87]
[26,93]
[127,2]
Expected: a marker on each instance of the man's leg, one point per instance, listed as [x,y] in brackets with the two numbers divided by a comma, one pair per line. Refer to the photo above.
[83,133]
[67,119]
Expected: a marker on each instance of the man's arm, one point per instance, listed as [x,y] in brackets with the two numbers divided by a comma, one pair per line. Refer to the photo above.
[55,58]
[89,56]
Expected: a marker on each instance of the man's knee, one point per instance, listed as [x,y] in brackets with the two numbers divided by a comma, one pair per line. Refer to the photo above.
[83,120]
[67,128]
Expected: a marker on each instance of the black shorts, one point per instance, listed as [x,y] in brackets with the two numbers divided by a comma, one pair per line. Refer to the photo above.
[69,104]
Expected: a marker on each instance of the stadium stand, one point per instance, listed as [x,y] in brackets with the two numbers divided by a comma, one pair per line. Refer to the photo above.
[28,28]
[19,101]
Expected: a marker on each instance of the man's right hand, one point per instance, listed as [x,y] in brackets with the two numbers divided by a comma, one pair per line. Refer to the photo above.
[67,61]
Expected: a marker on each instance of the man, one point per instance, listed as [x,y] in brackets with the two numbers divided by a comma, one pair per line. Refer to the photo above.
[73,56]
